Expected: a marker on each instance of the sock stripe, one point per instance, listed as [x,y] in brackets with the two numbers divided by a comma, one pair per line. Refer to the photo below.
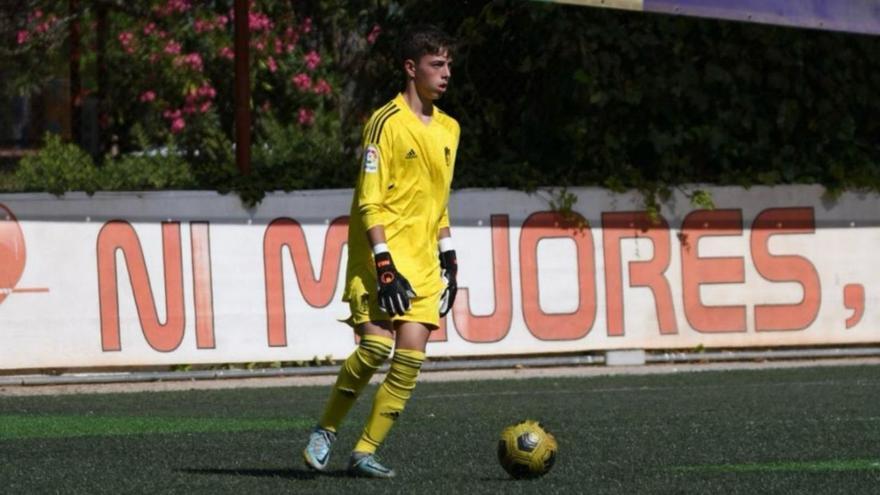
[379,339]
[376,348]
[407,361]
[368,343]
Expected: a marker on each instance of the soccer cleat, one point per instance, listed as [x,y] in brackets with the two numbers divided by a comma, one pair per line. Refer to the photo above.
[368,466]
[317,452]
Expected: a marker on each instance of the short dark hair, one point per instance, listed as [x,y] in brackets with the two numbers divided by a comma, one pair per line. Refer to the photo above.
[423,39]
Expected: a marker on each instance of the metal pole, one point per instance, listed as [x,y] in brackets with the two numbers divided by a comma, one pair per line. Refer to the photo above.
[242,89]
[101,63]
[75,81]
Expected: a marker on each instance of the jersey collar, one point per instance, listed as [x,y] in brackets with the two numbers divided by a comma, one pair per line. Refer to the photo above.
[401,103]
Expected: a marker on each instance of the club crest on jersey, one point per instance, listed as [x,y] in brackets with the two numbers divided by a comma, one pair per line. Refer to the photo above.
[448,154]
[371,159]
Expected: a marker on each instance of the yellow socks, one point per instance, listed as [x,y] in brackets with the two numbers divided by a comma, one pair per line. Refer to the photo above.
[391,398]
[354,375]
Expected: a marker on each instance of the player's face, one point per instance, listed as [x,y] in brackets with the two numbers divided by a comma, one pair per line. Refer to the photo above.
[432,74]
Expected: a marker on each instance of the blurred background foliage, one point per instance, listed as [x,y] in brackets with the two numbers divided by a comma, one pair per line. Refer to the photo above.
[547,95]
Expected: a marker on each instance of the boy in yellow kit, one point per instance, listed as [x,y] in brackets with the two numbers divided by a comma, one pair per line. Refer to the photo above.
[399,207]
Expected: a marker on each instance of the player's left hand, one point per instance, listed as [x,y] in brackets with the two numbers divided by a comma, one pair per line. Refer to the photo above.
[395,292]
[448,270]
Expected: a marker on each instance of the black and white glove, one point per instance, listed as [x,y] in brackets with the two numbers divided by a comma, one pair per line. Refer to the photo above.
[394,289]
[448,271]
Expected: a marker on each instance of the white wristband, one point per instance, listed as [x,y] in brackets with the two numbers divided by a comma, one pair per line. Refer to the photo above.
[446,244]
[380,248]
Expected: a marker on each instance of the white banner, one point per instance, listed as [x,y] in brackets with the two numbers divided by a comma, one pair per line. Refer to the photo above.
[123,279]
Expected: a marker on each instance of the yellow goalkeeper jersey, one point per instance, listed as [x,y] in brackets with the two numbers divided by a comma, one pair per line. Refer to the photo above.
[403,185]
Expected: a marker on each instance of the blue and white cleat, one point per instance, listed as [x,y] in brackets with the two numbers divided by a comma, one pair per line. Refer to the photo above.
[317,452]
[368,466]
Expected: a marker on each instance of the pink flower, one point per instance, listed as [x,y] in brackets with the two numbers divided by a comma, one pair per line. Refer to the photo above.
[312,59]
[172,6]
[178,125]
[125,38]
[206,91]
[149,28]
[305,116]
[322,87]
[270,63]
[205,106]
[374,34]
[221,20]
[306,26]
[194,60]
[258,21]
[227,53]
[302,81]
[291,37]
[203,25]
[171,114]
[22,37]
[42,27]
[148,96]
[172,48]
[279,47]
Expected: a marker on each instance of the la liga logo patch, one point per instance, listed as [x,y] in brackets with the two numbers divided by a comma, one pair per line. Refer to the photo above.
[371,159]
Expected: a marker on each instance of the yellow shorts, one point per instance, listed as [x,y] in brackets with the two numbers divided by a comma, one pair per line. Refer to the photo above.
[365,307]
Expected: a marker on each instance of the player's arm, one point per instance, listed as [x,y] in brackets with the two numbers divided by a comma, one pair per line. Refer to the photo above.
[448,267]
[394,290]
[448,261]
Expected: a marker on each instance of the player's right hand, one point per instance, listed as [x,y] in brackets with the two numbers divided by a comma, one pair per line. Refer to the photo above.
[395,291]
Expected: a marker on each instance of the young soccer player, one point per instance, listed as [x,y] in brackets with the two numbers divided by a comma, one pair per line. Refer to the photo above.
[400,250]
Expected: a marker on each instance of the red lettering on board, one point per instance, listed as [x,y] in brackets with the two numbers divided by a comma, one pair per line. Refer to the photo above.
[649,273]
[854,300]
[439,333]
[697,270]
[120,235]
[776,268]
[202,284]
[492,327]
[12,252]
[317,291]
[558,326]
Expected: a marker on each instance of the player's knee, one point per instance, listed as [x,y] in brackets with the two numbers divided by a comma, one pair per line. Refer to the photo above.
[404,372]
[374,351]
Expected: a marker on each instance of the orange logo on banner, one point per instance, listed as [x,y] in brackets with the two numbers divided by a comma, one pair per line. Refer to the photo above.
[13,255]
[12,252]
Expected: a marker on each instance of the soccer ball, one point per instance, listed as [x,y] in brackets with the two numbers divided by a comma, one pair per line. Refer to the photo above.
[526,450]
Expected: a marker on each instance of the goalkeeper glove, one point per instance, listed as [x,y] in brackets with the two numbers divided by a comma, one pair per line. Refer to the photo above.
[448,270]
[394,289]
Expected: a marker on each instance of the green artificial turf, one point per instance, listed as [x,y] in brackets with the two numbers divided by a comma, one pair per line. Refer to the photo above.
[811,430]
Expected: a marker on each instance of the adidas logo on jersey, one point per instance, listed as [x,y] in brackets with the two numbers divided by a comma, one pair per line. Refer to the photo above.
[411,155]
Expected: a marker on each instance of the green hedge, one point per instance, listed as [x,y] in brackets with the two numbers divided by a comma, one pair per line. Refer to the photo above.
[574,96]
[551,95]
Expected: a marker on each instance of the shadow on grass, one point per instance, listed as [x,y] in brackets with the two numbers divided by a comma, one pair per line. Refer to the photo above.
[290,473]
